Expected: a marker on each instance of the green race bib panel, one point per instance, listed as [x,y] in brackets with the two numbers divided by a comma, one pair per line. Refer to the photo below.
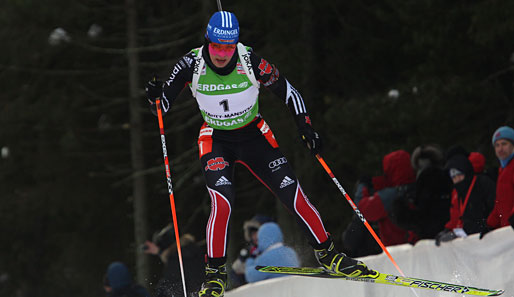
[226,102]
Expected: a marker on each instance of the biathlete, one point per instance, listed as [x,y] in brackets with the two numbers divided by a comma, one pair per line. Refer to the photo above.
[225,77]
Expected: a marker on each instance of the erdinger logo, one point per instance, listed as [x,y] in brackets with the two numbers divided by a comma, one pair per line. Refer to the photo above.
[275,164]
[216,164]
[232,32]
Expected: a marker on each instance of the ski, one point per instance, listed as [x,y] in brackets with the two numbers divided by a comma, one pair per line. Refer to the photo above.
[383,278]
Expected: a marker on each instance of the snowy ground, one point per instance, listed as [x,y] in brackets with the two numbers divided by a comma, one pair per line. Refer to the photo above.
[486,263]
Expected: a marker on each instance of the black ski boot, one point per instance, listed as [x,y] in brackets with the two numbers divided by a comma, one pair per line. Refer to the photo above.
[336,262]
[215,280]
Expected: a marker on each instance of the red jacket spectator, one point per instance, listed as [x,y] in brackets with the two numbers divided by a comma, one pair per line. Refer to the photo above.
[377,207]
[503,142]
[472,197]
[504,205]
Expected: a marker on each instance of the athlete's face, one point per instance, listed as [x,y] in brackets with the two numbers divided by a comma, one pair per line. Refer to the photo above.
[221,54]
[503,148]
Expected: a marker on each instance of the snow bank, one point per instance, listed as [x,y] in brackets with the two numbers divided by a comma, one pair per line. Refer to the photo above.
[486,263]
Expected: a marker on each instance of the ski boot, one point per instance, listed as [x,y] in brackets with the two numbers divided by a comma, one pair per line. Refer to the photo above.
[340,263]
[215,281]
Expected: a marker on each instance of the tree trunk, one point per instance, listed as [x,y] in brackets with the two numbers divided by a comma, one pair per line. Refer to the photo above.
[136,144]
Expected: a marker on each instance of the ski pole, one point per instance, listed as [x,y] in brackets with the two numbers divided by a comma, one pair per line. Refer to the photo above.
[170,190]
[357,211]
[219,5]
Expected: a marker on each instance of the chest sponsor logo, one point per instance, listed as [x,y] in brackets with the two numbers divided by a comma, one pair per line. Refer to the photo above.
[286,182]
[248,63]
[216,164]
[221,87]
[196,67]
[240,69]
[224,123]
[230,115]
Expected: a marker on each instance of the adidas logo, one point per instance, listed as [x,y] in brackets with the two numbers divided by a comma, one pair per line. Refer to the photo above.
[222,181]
[286,182]
[188,60]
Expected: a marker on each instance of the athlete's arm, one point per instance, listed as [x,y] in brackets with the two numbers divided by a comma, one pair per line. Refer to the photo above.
[269,76]
[180,76]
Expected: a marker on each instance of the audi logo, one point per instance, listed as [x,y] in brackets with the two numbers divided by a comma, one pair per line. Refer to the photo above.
[277,162]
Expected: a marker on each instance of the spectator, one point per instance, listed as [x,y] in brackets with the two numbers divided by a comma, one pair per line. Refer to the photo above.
[477,159]
[503,211]
[472,200]
[425,156]
[250,229]
[170,283]
[118,282]
[273,252]
[425,210]
[398,174]
[357,240]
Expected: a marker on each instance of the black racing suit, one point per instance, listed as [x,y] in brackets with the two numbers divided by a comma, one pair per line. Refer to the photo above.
[253,146]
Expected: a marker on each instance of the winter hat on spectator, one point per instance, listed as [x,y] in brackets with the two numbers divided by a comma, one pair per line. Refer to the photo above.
[504,132]
[253,225]
[456,149]
[118,276]
[165,237]
[427,155]
[462,164]
[478,161]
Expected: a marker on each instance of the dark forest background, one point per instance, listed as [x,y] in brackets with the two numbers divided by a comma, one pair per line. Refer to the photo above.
[82,181]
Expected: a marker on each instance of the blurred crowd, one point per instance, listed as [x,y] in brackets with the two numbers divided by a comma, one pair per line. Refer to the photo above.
[434,194]
[430,193]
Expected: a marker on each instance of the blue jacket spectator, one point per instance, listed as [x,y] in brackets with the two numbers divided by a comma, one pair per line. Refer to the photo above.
[118,282]
[273,252]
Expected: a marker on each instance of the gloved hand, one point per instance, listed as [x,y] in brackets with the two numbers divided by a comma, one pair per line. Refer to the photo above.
[310,137]
[484,231]
[244,253]
[444,236]
[153,90]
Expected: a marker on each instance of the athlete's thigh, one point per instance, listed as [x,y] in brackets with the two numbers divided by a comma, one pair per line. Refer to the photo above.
[270,166]
[218,170]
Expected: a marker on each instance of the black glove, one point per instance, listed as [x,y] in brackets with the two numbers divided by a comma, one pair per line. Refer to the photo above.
[310,137]
[250,251]
[244,253]
[444,236]
[153,90]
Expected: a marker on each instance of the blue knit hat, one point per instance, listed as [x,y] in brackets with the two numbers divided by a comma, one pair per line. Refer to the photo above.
[118,276]
[504,132]
[223,28]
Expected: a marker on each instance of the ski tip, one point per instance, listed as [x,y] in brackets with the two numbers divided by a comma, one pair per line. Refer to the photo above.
[498,293]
